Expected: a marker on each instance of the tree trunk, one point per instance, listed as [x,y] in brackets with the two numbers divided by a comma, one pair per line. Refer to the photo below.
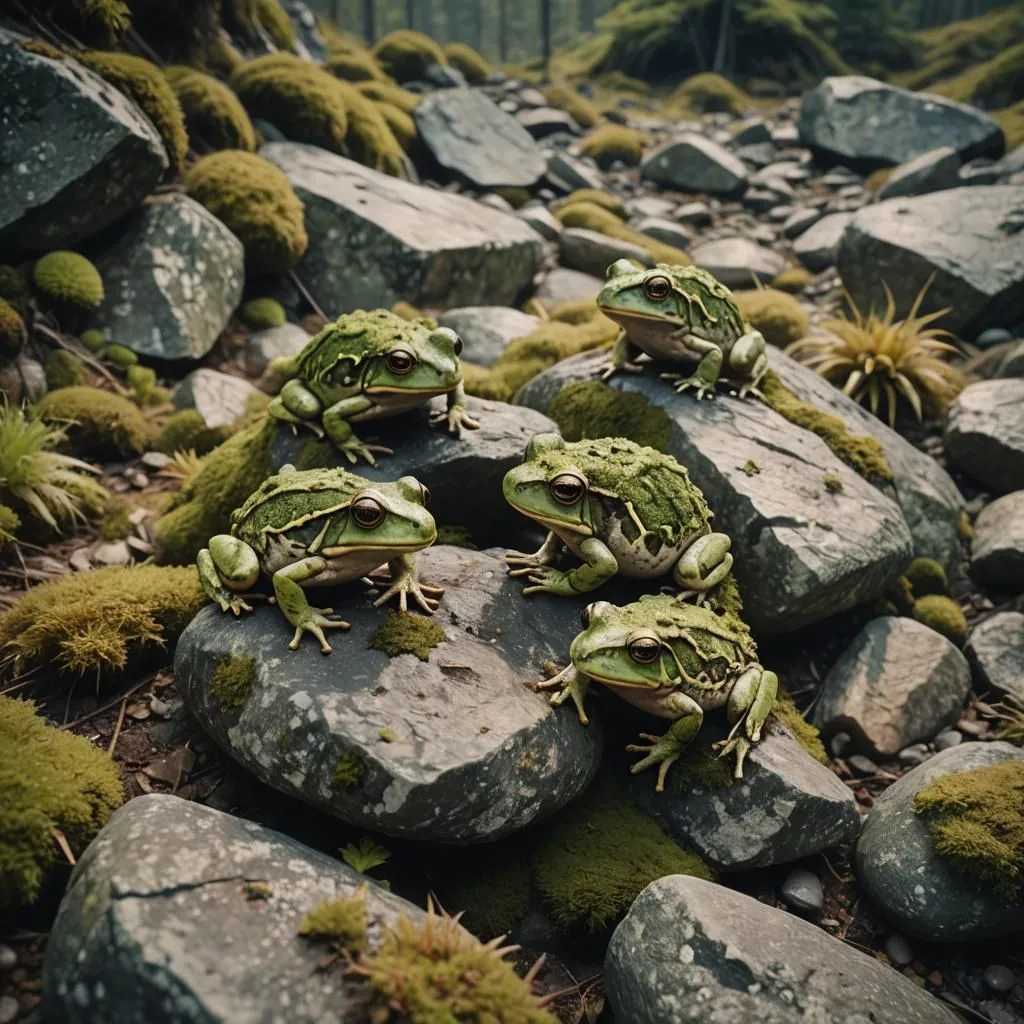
[369,30]
[502,32]
[723,36]
[545,36]
[410,13]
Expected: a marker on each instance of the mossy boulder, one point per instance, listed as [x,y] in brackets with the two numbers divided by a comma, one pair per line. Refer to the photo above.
[606,200]
[613,143]
[405,55]
[213,113]
[586,409]
[388,92]
[402,126]
[710,93]
[187,431]
[99,423]
[944,615]
[778,316]
[64,370]
[369,137]
[68,280]
[926,576]
[463,57]
[257,19]
[563,96]
[355,66]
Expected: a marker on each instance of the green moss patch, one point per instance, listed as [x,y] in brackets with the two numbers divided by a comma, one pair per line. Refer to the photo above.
[613,143]
[261,314]
[355,66]
[944,615]
[115,523]
[402,633]
[700,767]
[709,93]
[68,280]
[213,113]
[99,423]
[468,61]
[588,409]
[349,770]
[806,734]
[13,334]
[342,921]
[231,682]
[494,898]
[405,55]
[64,370]
[778,316]
[187,431]
[563,96]
[926,576]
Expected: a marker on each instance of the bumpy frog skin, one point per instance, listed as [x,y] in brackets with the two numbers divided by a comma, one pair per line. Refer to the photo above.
[619,507]
[367,366]
[675,661]
[318,527]
[681,313]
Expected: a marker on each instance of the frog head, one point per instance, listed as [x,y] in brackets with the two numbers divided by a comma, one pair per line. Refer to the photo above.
[386,517]
[549,488]
[623,646]
[421,360]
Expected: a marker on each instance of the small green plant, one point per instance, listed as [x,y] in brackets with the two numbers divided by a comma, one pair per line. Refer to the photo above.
[365,855]
[944,615]
[68,280]
[402,633]
[231,682]
[259,314]
[613,143]
[926,576]
[349,770]
[341,921]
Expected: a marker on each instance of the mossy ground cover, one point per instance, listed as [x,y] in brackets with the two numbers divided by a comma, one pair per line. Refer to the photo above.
[99,424]
[589,409]
[231,681]
[403,633]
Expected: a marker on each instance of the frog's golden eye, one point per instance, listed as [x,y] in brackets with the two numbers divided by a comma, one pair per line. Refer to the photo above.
[644,649]
[368,512]
[401,362]
[567,488]
[657,288]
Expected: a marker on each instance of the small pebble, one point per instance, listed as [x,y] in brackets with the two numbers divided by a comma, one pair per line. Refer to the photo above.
[898,950]
[935,978]
[999,978]
[840,744]
[155,460]
[947,739]
[802,890]
[136,478]
[862,765]
[8,1009]
[8,958]
[915,754]
[972,727]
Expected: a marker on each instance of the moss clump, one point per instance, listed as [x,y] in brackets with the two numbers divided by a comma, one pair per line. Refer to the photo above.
[69,280]
[597,218]
[257,203]
[792,279]
[355,66]
[99,423]
[976,819]
[573,311]
[807,735]
[256,19]
[13,334]
[402,633]
[93,339]
[862,453]
[94,20]
[579,108]
[146,391]
[402,126]
[64,370]
[587,408]
[708,93]
[231,682]
[456,537]
[14,289]
[833,483]
[95,620]
[388,92]
[49,779]
[342,921]
[701,768]
[613,143]
[115,522]
[598,197]
[9,523]
[493,899]
[369,138]
[217,56]
[926,576]
[623,851]
[877,179]
[944,615]
[187,431]
[463,57]
[145,83]
[349,770]
[120,355]
[778,316]
[1011,120]
[405,55]
[212,111]
[260,314]
[994,83]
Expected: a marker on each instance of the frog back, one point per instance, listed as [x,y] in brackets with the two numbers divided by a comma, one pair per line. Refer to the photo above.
[349,342]
[710,306]
[699,637]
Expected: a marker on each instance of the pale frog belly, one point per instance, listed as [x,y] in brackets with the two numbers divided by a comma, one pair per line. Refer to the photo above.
[634,558]
[393,404]
[660,344]
[281,553]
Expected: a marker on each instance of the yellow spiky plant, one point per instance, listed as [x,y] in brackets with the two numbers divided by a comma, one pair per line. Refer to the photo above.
[877,359]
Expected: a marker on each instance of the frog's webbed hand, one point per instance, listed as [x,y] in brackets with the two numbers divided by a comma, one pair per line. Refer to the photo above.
[599,565]
[522,564]
[750,702]
[665,750]
[226,567]
[570,684]
[339,430]
[291,599]
[404,581]
[705,377]
[622,358]
[455,417]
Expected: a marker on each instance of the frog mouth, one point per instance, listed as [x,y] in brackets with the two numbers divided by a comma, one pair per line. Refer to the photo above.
[383,389]
[629,314]
[554,524]
[622,684]
[348,549]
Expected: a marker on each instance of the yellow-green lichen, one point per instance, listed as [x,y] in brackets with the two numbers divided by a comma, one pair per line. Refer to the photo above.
[231,681]
[402,633]
[259,314]
[606,200]
[596,218]
[778,316]
[259,19]
[563,96]
[402,126]
[99,423]
[792,279]
[405,55]
[187,431]
[13,334]
[806,734]
[341,921]
[832,482]
[926,576]
[115,523]
[587,409]
[369,138]
[146,391]
[14,288]
[613,143]
[349,770]
[709,93]
[944,615]
[64,370]
[213,113]
[463,57]
[67,279]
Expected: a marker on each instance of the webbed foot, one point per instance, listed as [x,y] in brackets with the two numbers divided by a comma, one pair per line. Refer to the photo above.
[570,684]
[406,583]
[353,449]
[234,604]
[455,420]
[663,751]
[701,387]
[741,746]
[545,580]
[314,621]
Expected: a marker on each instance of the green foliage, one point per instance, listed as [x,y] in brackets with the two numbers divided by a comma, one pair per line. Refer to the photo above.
[349,770]
[613,143]
[255,200]
[493,897]
[596,218]
[792,279]
[588,408]
[463,57]
[1011,120]
[778,316]
[944,615]
[598,855]
[142,381]
[115,522]
[402,633]
[976,819]
[405,55]
[926,576]
[68,280]
[12,329]
[64,370]
[256,19]
[364,856]
[387,92]
[563,96]
[231,682]
[14,289]
[806,734]
[94,621]
[709,93]
[342,921]
[370,139]
[9,523]
[49,779]
[260,314]
[996,83]
[213,113]
[98,423]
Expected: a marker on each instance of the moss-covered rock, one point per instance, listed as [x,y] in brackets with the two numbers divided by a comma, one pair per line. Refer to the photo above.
[145,389]
[606,200]
[926,576]
[405,55]
[213,113]
[231,682]
[49,779]
[402,126]
[369,138]
[792,279]
[806,734]
[573,311]
[402,633]
[388,92]
[589,215]
[1011,120]
[12,329]
[588,408]
[944,615]
[355,66]
[342,921]
[473,67]
[255,200]
[613,143]
[260,314]
[254,19]
[778,316]
[99,423]
[563,96]
[187,431]
[217,56]
[64,370]
[93,21]
[14,288]
[9,523]
[68,280]
[709,93]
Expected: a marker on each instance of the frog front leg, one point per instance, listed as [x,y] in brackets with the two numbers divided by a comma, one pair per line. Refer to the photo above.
[455,417]
[703,565]
[522,564]
[750,702]
[570,683]
[665,750]
[622,359]
[748,358]
[297,406]
[291,599]
[228,566]
[705,377]
[599,565]
[339,430]
[405,581]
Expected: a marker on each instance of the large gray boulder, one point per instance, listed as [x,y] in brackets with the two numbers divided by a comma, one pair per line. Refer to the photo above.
[487,330]
[173,277]
[996,652]
[803,551]
[968,239]
[693,952]
[985,433]
[693,163]
[592,252]
[816,247]
[997,550]
[738,262]
[455,749]
[218,397]
[75,154]
[472,138]
[375,239]
[866,124]
[920,892]
[163,923]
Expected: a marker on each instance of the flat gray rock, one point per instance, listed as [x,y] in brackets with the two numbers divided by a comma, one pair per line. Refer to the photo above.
[738,262]
[751,131]
[930,172]
[272,343]
[866,124]
[693,952]
[995,649]
[569,173]
[665,230]
[375,239]
[592,253]
[816,247]
[544,121]
[693,163]
[542,220]
[898,683]
[157,925]
[452,750]
[920,892]
[985,433]
[802,552]
[564,285]
[75,154]
[967,238]
[218,397]
[696,214]
[801,220]
[476,141]
[997,551]
[173,276]
[486,330]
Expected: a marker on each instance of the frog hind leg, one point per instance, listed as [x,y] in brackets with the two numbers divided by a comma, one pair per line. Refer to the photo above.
[339,430]
[297,406]
[749,360]
[665,750]
[227,567]
[291,599]
[622,358]
[705,377]
[750,702]
[703,565]
[522,564]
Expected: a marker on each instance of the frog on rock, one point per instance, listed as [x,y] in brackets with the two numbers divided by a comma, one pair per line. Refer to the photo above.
[681,313]
[676,661]
[367,366]
[621,508]
[318,527]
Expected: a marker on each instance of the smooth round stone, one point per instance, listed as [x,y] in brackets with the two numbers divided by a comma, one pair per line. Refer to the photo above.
[999,978]
[898,950]
[8,958]
[802,890]
[993,336]
[948,738]
[916,753]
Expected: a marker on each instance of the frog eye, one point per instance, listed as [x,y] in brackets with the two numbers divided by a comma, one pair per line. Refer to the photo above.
[458,345]
[586,615]
[401,362]
[657,288]
[368,512]
[644,649]
[567,488]
[425,494]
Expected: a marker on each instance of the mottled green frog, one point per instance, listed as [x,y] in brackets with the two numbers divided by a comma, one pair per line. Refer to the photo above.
[676,661]
[314,528]
[681,313]
[618,506]
[368,366]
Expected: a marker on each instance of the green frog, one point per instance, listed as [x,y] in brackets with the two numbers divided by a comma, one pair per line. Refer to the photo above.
[619,507]
[314,528]
[681,313]
[675,661]
[368,366]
